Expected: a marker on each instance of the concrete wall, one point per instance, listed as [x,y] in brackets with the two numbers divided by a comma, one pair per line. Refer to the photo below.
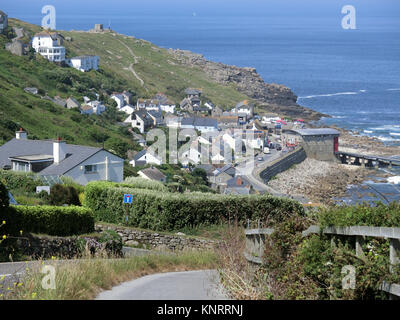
[284,164]
[319,147]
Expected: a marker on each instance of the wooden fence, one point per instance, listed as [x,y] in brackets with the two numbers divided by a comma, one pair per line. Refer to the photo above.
[255,243]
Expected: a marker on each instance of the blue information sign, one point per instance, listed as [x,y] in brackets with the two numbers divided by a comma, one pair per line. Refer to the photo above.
[128,198]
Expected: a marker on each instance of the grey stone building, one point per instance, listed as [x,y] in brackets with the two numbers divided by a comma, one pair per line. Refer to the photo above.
[3,21]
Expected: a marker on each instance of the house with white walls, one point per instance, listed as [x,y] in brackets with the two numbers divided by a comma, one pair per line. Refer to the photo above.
[141,120]
[49,45]
[98,107]
[84,63]
[145,157]
[119,99]
[57,158]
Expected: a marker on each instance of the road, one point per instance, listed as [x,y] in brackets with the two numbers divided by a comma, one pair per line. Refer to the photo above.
[250,169]
[190,285]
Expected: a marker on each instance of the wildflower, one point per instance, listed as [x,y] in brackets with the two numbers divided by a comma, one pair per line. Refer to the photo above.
[53,258]
[2,277]
[20,231]
[34,295]
[4,237]
[4,221]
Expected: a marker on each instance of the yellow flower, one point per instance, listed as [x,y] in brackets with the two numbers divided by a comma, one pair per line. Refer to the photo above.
[4,221]
[20,231]
[33,295]
[2,277]
[53,258]
[4,237]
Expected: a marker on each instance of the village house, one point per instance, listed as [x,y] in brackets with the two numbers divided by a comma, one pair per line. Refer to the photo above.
[98,107]
[72,103]
[49,45]
[152,174]
[238,185]
[157,117]
[84,63]
[198,152]
[128,109]
[57,158]
[32,90]
[122,99]
[166,105]
[244,107]
[201,124]
[145,157]
[173,121]
[141,120]
[86,109]
[3,21]
[221,176]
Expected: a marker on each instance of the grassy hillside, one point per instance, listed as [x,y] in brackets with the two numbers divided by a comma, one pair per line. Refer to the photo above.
[143,67]
[126,63]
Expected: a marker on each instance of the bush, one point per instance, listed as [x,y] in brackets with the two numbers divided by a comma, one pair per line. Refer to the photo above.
[55,221]
[170,211]
[141,183]
[61,195]
[361,215]
[20,180]
[4,200]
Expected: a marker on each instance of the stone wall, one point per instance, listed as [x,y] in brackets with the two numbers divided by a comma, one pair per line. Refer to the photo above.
[157,240]
[284,164]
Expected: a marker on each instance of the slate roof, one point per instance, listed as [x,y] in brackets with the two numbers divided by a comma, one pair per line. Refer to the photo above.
[191,91]
[199,122]
[317,132]
[153,174]
[22,147]
[140,154]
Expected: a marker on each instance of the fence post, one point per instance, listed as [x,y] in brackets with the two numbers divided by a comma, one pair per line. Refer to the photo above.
[394,247]
[359,242]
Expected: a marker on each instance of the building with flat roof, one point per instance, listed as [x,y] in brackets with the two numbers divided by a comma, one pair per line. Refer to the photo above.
[320,143]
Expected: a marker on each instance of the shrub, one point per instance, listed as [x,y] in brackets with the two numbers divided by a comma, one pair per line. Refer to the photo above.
[362,215]
[20,180]
[141,183]
[55,221]
[4,200]
[171,211]
[60,195]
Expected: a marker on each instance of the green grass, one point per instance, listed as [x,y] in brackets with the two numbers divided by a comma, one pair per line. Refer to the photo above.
[84,279]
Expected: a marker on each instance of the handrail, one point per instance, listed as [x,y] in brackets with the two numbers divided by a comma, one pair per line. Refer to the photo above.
[359,232]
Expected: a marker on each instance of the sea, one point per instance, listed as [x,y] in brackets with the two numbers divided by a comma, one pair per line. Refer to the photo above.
[352,75]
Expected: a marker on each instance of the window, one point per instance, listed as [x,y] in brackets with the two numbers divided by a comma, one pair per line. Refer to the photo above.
[90,169]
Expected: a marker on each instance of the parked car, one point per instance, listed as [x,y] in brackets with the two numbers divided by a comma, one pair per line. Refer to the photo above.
[260,159]
[278,147]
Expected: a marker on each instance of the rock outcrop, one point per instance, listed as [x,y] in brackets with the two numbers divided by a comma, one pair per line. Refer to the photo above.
[274,97]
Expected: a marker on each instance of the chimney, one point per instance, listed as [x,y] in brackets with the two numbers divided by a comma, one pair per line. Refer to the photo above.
[239,181]
[59,150]
[21,134]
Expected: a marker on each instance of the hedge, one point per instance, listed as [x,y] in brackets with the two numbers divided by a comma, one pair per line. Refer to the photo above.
[170,211]
[380,215]
[141,183]
[54,221]
[20,180]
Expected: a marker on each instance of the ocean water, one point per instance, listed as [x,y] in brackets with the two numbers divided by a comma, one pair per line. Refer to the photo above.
[351,75]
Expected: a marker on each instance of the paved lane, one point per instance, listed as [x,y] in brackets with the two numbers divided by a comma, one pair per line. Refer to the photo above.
[190,285]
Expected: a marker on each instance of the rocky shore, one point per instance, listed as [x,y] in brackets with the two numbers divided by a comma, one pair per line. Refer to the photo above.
[271,97]
[319,181]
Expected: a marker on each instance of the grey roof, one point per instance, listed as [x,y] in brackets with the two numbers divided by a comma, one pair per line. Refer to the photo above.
[234,182]
[199,122]
[153,174]
[22,147]
[140,154]
[209,168]
[238,191]
[317,132]
[191,91]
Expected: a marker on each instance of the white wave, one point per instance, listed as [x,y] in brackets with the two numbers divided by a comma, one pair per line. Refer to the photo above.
[339,117]
[387,139]
[368,131]
[329,95]
[394,134]
[363,91]
[394,180]
[386,128]
[394,89]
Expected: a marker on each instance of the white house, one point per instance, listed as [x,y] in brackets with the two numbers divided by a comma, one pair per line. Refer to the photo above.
[49,45]
[141,120]
[168,107]
[145,157]
[84,63]
[152,174]
[98,107]
[201,124]
[128,109]
[119,99]
[57,158]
